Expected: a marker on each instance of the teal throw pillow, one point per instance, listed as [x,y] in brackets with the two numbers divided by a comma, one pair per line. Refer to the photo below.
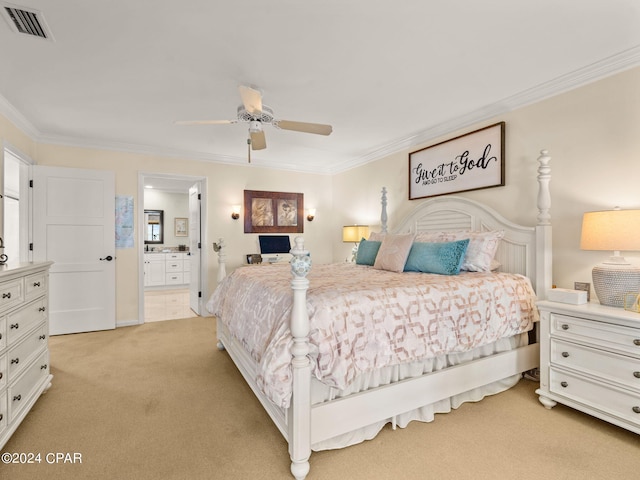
[367,252]
[444,258]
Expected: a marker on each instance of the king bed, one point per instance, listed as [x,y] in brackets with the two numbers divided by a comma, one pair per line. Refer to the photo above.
[438,312]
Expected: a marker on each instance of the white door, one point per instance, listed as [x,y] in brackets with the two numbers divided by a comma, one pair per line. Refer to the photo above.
[74,226]
[195,287]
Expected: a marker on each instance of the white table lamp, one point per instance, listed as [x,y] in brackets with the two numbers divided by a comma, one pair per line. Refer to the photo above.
[614,230]
[353,234]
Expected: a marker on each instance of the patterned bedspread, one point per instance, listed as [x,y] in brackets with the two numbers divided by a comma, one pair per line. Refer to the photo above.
[362,318]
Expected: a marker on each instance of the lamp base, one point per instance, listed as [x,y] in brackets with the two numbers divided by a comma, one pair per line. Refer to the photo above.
[613,281]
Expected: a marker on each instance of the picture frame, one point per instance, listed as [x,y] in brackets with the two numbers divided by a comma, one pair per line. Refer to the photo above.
[273,212]
[472,161]
[181,227]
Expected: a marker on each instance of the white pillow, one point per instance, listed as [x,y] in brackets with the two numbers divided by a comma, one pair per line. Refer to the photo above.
[393,252]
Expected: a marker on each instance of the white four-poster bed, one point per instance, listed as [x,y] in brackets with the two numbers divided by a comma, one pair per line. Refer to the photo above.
[315,416]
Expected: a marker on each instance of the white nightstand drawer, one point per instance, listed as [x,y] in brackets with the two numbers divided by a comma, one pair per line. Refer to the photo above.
[35,285]
[596,333]
[11,294]
[617,368]
[614,401]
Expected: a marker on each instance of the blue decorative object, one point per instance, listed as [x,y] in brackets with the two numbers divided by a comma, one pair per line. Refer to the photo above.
[443,258]
[367,252]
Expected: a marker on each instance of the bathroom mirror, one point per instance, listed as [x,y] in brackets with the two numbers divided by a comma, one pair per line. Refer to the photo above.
[153,226]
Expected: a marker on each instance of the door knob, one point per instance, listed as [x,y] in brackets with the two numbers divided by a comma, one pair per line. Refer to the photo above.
[108,258]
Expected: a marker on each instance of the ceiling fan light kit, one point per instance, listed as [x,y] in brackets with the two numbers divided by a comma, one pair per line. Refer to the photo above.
[253,112]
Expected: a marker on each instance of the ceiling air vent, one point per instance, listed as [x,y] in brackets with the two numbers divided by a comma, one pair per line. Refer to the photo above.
[29,22]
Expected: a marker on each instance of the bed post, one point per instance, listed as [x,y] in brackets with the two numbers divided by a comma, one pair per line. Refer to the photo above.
[383,213]
[221,249]
[544,267]
[300,408]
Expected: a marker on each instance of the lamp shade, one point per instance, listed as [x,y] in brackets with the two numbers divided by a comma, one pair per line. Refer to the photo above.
[354,233]
[616,230]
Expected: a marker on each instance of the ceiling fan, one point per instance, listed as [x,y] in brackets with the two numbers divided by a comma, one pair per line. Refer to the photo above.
[253,112]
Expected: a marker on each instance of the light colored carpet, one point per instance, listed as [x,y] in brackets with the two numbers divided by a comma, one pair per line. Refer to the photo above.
[159,401]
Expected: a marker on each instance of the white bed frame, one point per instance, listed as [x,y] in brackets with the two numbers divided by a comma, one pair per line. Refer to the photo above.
[524,250]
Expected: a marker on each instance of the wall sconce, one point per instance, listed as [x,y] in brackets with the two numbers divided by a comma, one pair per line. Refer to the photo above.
[613,230]
[235,212]
[311,214]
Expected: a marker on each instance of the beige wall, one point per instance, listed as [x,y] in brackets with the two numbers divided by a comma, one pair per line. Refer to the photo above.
[592,136]
[590,133]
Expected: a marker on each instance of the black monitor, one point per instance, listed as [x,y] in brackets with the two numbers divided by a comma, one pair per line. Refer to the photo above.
[270,244]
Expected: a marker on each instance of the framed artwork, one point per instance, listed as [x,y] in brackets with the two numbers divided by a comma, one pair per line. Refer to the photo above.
[273,212]
[468,162]
[181,227]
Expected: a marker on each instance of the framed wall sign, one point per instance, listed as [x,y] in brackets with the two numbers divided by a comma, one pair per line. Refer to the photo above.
[273,212]
[181,227]
[468,162]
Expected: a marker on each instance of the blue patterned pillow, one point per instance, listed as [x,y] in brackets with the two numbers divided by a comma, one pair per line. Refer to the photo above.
[367,252]
[443,258]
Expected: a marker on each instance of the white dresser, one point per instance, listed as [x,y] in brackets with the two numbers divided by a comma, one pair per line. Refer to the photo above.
[590,360]
[24,342]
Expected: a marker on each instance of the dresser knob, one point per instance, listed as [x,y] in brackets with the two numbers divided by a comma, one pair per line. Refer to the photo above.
[565,326]
[565,354]
[0,375]
[564,384]
[15,360]
[636,374]
[1,417]
[41,309]
[14,325]
[636,409]
[43,367]
[36,284]
[17,398]
[6,295]
[636,341]
[42,337]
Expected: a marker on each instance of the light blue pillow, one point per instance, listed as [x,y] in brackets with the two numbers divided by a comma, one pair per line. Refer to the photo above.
[367,252]
[443,258]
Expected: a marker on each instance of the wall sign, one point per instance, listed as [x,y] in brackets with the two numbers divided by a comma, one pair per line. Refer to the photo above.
[468,162]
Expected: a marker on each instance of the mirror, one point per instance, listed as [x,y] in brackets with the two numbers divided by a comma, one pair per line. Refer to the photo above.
[153,226]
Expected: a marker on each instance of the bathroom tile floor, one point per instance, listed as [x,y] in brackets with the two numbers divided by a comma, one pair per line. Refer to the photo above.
[167,305]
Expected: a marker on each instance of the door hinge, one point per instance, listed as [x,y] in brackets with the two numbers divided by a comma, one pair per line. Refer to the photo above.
[199,196]
[31,183]
[199,245]
[31,246]
[199,294]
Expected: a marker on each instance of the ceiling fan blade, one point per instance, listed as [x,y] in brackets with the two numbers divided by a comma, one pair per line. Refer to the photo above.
[316,128]
[205,122]
[252,99]
[258,140]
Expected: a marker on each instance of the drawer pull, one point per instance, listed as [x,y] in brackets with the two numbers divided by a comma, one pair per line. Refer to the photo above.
[637,342]
[636,374]
[17,398]
[14,325]
[565,354]
[15,360]
[6,295]
[565,326]
[41,309]
[36,284]
[43,367]
[636,409]
[1,417]
[564,384]
[0,375]
[42,337]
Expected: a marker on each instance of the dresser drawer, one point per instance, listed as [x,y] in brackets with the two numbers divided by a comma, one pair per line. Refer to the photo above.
[174,256]
[35,285]
[21,391]
[616,368]
[11,294]
[3,332]
[22,354]
[596,333]
[606,398]
[21,321]
[174,279]
[4,371]
[174,266]
[4,414]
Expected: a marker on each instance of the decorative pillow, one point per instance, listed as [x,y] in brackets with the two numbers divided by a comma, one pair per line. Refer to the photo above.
[367,252]
[376,236]
[444,258]
[393,252]
[481,250]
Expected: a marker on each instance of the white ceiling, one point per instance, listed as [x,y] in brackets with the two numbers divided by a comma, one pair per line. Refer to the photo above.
[386,74]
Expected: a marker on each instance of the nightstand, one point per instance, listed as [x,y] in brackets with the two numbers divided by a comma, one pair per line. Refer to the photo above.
[590,361]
